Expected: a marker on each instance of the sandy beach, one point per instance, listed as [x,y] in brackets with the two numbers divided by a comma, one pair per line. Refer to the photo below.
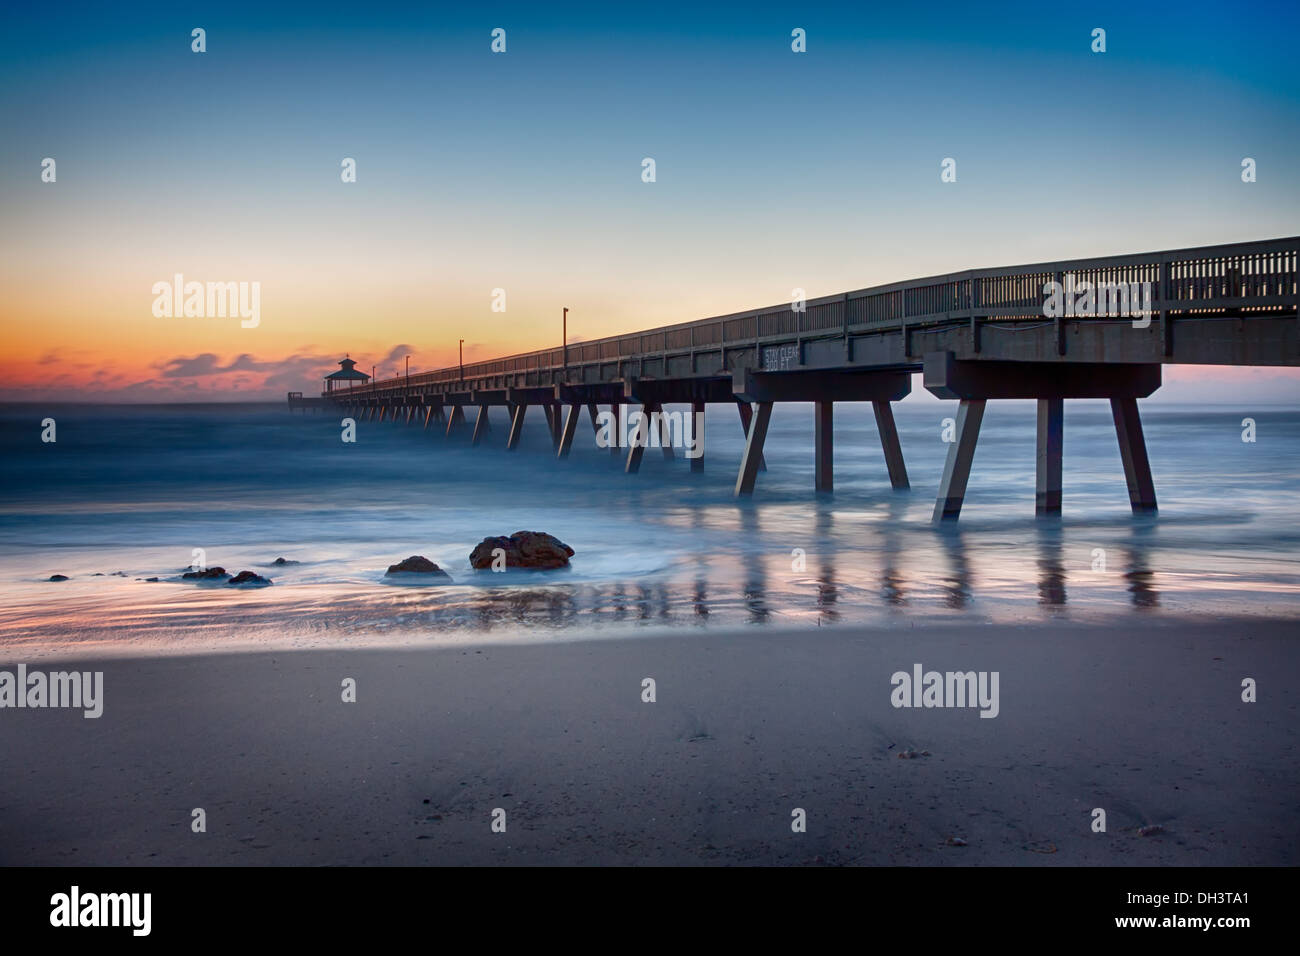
[1144,720]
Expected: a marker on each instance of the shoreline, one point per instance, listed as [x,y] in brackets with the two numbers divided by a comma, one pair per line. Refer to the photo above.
[1141,719]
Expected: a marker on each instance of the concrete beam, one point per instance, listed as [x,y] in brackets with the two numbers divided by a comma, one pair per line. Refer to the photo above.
[570,429]
[1133,452]
[823,456]
[678,391]
[948,377]
[746,417]
[697,421]
[1051,429]
[456,417]
[531,395]
[956,470]
[889,443]
[516,426]
[641,439]
[554,420]
[481,425]
[755,436]
[821,385]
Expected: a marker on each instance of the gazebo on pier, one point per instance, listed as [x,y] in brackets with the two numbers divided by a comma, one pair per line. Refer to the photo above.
[348,373]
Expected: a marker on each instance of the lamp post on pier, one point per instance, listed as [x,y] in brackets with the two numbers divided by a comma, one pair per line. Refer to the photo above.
[461,347]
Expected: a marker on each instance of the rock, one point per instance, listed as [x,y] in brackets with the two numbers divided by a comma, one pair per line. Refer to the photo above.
[283,561]
[248,578]
[523,549]
[417,564]
[956,841]
[150,580]
[912,754]
[207,574]
[1153,829]
[58,577]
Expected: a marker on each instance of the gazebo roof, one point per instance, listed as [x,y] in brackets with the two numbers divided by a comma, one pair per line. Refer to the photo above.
[347,373]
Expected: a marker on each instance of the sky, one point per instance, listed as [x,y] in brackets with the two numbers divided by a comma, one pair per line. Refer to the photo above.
[522,171]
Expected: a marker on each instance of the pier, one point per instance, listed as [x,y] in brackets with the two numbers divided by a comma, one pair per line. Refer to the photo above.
[1086,328]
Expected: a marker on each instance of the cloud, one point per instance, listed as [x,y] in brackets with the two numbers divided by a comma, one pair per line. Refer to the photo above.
[209,364]
[397,353]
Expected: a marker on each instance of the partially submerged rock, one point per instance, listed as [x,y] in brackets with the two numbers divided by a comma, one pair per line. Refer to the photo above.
[283,561]
[206,574]
[418,564]
[249,579]
[523,549]
[58,577]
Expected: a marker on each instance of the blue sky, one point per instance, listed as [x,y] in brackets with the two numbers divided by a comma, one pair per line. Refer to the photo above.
[774,170]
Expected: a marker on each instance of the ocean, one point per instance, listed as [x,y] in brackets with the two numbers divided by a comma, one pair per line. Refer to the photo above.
[127,493]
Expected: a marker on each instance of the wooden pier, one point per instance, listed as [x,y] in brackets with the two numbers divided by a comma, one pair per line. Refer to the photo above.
[976,336]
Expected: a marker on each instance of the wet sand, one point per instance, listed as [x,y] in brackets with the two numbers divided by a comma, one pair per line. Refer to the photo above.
[1144,720]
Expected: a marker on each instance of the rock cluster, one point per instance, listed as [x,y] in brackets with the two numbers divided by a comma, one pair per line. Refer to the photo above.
[418,564]
[523,549]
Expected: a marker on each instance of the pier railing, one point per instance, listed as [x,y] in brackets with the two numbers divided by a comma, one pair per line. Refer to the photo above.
[1243,279]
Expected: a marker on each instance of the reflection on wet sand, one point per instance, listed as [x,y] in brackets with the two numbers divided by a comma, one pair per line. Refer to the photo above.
[957,585]
[856,566]
[1051,565]
[1140,577]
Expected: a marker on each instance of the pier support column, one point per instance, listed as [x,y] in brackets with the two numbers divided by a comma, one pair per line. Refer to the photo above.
[1133,451]
[481,425]
[956,470]
[456,417]
[824,456]
[641,439]
[889,442]
[549,412]
[1051,427]
[383,410]
[755,436]
[594,412]
[697,436]
[619,415]
[428,414]
[666,435]
[747,416]
[570,429]
[516,426]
